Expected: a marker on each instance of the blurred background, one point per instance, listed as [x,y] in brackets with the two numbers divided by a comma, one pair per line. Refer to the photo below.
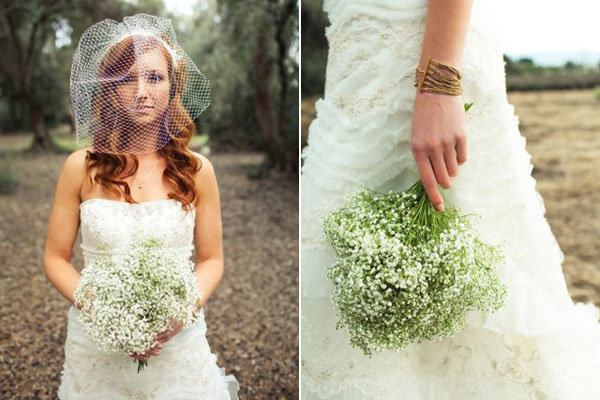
[552,64]
[249,52]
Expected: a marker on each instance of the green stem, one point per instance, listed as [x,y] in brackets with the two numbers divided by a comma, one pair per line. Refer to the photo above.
[426,222]
[141,365]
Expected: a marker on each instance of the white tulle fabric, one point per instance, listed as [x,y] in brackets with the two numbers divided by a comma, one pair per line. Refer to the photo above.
[540,345]
[185,368]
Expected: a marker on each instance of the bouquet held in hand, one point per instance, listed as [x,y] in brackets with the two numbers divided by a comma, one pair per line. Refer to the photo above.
[136,295]
[405,273]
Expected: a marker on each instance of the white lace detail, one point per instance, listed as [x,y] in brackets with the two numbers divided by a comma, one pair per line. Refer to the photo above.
[185,368]
[107,225]
[357,44]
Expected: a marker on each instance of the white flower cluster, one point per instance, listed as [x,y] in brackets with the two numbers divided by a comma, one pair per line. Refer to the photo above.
[405,273]
[135,295]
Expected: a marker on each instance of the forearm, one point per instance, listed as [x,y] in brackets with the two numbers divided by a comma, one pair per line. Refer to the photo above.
[63,276]
[445,31]
[208,275]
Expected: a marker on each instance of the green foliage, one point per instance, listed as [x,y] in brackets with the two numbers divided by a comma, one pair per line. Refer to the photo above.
[233,35]
[571,65]
[229,118]
[526,75]
[526,61]
[314,48]
[9,180]
[597,93]
[509,65]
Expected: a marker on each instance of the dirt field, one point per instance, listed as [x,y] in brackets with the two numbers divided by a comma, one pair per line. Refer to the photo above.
[252,318]
[563,136]
[562,129]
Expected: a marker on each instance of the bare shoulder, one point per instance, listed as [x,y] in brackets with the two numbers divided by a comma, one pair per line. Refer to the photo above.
[206,182]
[74,165]
[207,172]
[71,179]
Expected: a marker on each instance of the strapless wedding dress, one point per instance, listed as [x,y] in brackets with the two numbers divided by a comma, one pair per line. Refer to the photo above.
[185,368]
[541,345]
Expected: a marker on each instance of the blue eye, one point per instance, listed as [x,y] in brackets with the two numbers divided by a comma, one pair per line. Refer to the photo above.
[127,78]
[155,77]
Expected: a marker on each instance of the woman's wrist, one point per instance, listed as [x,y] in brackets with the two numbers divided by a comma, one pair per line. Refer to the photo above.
[423,65]
[438,77]
[452,60]
[446,31]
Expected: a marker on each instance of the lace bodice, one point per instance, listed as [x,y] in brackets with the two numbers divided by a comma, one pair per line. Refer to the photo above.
[108,225]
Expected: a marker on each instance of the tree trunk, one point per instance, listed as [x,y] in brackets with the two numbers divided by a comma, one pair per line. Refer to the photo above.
[284,155]
[72,121]
[263,101]
[41,137]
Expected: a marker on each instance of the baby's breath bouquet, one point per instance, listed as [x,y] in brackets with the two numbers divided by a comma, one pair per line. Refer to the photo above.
[136,294]
[405,273]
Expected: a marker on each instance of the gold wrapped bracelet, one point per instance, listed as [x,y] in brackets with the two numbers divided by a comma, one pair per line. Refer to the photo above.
[435,81]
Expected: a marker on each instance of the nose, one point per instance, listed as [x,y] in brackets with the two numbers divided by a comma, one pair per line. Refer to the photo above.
[142,89]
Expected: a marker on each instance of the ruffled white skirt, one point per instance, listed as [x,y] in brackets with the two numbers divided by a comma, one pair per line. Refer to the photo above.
[185,369]
[540,345]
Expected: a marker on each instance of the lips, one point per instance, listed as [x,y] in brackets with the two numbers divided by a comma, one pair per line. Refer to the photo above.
[142,109]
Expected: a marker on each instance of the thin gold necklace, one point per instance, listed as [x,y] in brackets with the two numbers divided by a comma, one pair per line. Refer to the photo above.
[141,183]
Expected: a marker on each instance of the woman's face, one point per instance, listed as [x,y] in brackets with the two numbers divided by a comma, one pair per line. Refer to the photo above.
[144,90]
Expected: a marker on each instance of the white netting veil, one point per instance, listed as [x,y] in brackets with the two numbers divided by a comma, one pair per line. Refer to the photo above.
[133,87]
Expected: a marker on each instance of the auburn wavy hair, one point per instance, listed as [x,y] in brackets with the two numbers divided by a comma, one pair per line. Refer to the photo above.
[182,164]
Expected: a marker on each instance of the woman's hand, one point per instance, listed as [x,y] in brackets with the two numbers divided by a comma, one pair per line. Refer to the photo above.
[86,300]
[439,140]
[161,339]
[176,327]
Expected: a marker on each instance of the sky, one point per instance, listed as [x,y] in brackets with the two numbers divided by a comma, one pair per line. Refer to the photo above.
[555,30]
[181,6]
[550,26]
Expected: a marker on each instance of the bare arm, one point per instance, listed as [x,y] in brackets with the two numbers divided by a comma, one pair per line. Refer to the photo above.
[208,231]
[63,225]
[446,31]
[439,123]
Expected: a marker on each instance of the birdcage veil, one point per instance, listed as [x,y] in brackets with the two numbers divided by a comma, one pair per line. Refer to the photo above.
[133,87]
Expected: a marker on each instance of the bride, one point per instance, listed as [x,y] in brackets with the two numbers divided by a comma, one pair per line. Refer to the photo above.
[373,127]
[135,94]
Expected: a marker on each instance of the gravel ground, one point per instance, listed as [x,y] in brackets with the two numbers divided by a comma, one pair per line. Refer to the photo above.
[252,318]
